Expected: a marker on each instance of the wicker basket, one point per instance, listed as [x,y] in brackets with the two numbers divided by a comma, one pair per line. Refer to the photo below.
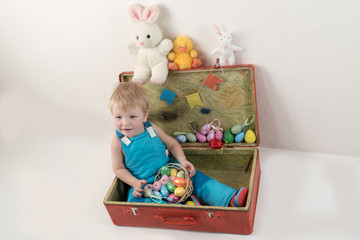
[189,187]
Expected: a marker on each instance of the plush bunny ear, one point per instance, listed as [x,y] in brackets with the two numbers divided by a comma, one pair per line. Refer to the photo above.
[135,12]
[150,14]
[217,29]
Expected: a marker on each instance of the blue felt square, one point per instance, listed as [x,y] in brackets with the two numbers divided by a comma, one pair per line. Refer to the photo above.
[168,96]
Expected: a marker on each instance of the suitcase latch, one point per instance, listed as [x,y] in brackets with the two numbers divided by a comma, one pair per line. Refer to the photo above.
[132,211]
[215,215]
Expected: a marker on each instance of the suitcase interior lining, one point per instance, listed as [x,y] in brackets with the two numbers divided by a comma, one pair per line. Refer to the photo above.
[230,168]
[233,102]
[233,167]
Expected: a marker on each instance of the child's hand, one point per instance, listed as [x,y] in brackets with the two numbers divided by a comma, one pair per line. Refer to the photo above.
[188,166]
[138,188]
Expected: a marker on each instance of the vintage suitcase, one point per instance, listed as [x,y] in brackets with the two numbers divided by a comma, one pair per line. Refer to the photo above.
[232,101]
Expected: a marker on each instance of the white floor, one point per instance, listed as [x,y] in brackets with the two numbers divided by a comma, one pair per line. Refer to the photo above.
[54,188]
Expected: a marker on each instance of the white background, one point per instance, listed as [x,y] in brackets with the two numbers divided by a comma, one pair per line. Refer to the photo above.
[60,60]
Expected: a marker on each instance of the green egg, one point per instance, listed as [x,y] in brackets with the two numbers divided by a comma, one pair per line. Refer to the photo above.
[147,192]
[165,171]
[228,136]
[191,137]
[236,129]
[170,186]
[179,133]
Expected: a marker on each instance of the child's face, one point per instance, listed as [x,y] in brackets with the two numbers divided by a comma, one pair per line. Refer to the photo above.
[130,121]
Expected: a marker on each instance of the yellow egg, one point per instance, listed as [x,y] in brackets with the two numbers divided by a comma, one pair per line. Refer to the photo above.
[250,136]
[173,172]
[179,191]
[190,203]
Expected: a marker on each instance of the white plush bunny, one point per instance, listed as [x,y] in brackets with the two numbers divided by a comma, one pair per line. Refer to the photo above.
[226,49]
[149,45]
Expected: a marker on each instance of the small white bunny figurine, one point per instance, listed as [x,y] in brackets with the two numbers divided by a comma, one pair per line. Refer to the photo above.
[149,45]
[226,49]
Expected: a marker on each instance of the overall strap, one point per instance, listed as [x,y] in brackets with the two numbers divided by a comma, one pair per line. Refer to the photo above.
[152,134]
[150,129]
[123,138]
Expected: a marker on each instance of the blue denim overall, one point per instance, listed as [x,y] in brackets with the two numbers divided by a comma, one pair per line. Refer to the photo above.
[145,154]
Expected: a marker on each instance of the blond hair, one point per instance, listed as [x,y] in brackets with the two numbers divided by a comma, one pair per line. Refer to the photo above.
[129,94]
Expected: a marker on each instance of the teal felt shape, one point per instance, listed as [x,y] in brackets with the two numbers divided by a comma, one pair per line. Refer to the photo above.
[168,96]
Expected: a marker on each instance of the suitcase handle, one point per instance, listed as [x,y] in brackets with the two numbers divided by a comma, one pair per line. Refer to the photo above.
[185,221]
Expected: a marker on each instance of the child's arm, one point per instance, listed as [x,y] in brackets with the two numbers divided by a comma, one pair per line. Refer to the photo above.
[174,147]
[121,171]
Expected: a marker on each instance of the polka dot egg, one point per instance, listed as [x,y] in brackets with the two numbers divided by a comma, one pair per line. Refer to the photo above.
[181,138]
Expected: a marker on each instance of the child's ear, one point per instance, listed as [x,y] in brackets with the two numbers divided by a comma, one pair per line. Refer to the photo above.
[146,115]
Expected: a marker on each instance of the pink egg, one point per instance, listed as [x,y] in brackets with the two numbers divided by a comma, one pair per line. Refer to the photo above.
[205,129]
[201,137]
[173,197]
[219,135]
[210,136]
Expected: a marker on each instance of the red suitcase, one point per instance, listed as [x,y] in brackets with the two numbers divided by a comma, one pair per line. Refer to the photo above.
[232,100]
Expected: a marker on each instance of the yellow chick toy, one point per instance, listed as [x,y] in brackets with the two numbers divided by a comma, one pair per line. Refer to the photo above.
[183,56]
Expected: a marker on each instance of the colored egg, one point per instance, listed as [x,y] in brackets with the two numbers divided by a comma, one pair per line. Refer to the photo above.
[210,136]
[215,144]
[239,137]
[200,137]
[179,182]
[236,129]
[170,186]
[190,203]
[173,172]
[179,191]
[250,136]
[147,192]
[181,174]
[228,137]
[164,170]
[178,133]
[157,194]
[205,129]
[164,191]
[219,135]
[191,137]
[173,198]
[180,138]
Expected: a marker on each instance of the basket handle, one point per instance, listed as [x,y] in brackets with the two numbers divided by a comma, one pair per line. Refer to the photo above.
[185,221]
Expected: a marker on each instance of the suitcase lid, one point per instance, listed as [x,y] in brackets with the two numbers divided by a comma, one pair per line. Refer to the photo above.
[232,101]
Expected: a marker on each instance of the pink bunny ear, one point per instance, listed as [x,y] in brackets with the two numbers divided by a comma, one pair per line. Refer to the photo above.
[217,30]
[135,12]
[150,14]
[156,186]
[164,179]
